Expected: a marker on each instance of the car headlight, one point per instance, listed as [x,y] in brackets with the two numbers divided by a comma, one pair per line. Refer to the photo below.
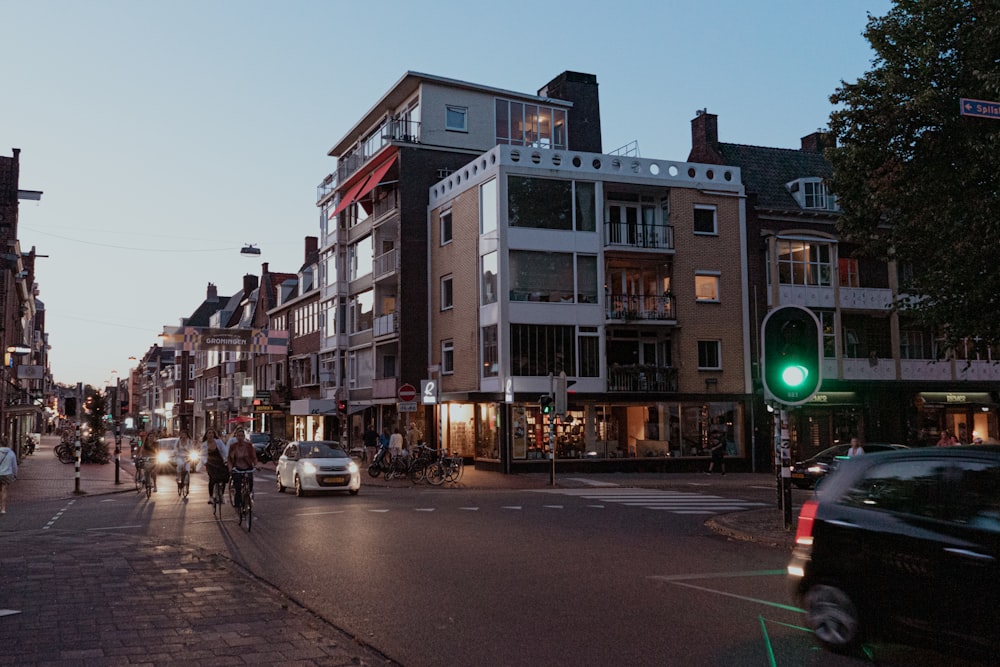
[817,469]
[308,468]
[352,467]
[162,457]
[194,457]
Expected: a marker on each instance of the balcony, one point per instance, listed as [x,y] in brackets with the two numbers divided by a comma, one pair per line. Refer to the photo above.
[630,308]
[385,264]
[642,378]
[623,235]
[392,129]
[865,298]
[385,325]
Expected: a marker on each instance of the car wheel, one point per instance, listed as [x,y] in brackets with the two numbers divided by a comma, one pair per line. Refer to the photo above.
[277,478]
[298,487]
[832,616]
[354,492]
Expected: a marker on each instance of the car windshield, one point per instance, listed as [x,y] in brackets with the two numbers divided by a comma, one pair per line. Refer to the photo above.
[259,438]
[320,450]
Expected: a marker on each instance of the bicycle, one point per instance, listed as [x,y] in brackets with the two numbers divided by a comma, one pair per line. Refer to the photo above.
[244,504]
[145,470]
[217,498]
[445,469]
[184,482]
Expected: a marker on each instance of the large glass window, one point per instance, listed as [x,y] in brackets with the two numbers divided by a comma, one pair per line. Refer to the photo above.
[456,118]
[491,352]
[802,262]
[538,349]
[709,355]
[590,352]
[706,287]
[541,276]
[704,220]
[361,311]
[542,203]
[488,206]
[586,212]
[586,278]
[360,257]
[535,125]
[488,275]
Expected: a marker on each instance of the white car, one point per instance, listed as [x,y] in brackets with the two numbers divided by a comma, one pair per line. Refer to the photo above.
[317,465]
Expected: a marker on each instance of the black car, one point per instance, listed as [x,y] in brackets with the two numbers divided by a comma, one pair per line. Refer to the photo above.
[904,545]
[260,441]
[805,474]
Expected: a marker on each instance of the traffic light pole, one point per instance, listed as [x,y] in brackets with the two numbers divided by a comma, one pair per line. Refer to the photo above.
[783,464]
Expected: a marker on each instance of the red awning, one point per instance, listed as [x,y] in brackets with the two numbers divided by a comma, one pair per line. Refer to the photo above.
[363,186]
[375,177]
[349,198]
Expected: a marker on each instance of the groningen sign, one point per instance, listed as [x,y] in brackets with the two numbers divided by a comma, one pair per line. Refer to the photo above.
[199,339]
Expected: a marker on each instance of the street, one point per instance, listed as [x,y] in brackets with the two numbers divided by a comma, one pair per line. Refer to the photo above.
[434,576]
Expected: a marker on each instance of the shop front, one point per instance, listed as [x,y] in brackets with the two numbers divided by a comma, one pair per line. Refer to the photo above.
[967,415]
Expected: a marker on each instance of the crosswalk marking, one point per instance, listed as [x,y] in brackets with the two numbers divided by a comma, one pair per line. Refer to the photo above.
[678,502]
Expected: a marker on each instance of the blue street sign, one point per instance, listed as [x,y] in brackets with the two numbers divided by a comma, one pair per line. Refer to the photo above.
[980,108]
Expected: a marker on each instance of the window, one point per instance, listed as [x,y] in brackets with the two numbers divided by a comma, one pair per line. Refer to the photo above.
[360,258]
[848,269]
[520,124]
[709,357]
[827,319]
[446,227]
[361,311]
[488,275]
[706,287]
[447,301]
[589,344]
[586,214]
[491,353]
[456,118]
[917,345]
[586,279]
[704,220]
[541,276]
[812,193]
[541,203]
[447,357]
[538,349]
[488,206]
[804,262]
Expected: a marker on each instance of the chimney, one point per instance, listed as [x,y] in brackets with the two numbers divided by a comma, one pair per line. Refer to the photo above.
[705,138]
[312,250]
[249,284]
[818,141]
[213,294]
[264,269]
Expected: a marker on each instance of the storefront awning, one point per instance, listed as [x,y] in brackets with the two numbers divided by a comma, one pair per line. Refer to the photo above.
[834,398]
[956,397]
[313,406]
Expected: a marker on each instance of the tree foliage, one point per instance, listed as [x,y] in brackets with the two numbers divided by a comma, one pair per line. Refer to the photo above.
[917,181]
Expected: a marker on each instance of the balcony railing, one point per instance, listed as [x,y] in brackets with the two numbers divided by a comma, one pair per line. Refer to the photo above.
[629,307]
[635,235]
[392,129]
[385,325]
[385,263]
[642,378]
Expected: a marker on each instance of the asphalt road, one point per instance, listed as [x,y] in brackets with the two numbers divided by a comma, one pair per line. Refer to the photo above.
[432,576]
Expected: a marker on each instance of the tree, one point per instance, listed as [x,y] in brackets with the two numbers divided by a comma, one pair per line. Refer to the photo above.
[917,181]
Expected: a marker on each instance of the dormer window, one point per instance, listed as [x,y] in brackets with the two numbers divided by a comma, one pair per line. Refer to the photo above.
[812,193]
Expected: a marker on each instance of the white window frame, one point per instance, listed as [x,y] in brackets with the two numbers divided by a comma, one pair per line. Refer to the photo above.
[718,353]
[450,109]
[718,286]
[449,302]
[448,357]
[446,239]
[715,219]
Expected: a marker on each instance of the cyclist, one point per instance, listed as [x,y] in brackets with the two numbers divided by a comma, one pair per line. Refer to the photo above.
[185,445]
[242,462]
[147,455]
[215,452]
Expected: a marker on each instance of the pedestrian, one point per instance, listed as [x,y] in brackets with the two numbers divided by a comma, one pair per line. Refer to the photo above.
[413,436]
[718,451]
[396,442]
[946,439]
[215,452]
[370,440]
[856,449]
[383,439]
[8,473]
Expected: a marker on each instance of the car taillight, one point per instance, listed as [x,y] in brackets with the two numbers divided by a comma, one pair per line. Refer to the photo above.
[807,516]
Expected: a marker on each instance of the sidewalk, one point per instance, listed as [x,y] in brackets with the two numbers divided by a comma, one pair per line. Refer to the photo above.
[117,599]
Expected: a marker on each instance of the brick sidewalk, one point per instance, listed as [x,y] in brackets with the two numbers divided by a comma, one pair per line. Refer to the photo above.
[98,598]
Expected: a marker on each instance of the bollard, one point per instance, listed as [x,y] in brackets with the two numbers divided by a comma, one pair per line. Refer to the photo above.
[79,453]
[118,458]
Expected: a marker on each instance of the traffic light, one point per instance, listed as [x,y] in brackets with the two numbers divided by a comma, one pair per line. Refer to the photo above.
[545,401]
[342,406]
[792,355]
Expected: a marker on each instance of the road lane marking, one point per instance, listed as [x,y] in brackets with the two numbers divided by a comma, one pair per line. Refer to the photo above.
[57,515]
[678,502]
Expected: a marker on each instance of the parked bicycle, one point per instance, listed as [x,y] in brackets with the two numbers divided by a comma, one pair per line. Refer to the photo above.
[445,469]
[66,451]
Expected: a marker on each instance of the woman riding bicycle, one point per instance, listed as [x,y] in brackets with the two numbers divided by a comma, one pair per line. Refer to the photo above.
[242,462]
[185,445]
[146,454]
[215,452]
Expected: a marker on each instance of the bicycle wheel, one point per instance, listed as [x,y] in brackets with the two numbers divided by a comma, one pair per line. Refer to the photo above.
[435,473]
[148,484]
[186,484]
[138,480]
[248,507]
[454,471]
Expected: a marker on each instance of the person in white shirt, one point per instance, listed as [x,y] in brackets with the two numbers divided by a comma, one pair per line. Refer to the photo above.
[856,448]
[8,473]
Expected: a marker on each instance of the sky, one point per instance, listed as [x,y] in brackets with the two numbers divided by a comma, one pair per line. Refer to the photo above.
[166,136]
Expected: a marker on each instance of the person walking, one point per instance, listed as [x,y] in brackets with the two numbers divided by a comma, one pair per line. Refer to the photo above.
[856,449]
[8,473]
[215,453]
[370,440]
[396,443]
[718,451]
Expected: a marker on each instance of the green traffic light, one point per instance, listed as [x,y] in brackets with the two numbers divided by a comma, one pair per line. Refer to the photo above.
[795,376]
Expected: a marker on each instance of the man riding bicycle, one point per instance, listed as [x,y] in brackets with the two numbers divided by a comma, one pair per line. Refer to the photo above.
[242,461]
[146,458]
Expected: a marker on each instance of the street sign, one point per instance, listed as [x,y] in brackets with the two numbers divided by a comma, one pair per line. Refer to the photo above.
[979,108]
[263,408]
[263,394]
[428,392]
[407,392]
[407,406]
